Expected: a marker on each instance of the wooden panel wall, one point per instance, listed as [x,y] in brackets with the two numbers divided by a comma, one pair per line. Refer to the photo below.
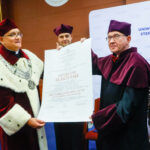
[37,19]
[134,1]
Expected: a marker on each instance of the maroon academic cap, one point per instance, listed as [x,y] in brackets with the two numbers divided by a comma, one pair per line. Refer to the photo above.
[63,29]
[6,25]
[122,27]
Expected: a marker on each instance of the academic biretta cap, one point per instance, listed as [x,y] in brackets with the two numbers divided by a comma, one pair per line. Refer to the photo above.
[122,27]
[6,25]
[63,29]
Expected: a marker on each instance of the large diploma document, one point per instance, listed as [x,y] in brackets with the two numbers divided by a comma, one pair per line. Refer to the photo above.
[67,86]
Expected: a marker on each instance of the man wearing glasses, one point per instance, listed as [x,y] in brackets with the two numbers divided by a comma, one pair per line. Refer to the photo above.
[122,118]
[20,72]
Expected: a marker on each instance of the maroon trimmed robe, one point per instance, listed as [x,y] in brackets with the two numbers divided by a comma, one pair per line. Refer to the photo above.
[122,119]
[19,102]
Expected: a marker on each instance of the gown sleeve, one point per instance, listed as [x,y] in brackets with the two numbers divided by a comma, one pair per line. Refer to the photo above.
[117,115]
[95,64]
[12,115]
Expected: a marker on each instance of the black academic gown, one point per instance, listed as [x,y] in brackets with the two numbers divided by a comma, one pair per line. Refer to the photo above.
[69,136]
[122,118]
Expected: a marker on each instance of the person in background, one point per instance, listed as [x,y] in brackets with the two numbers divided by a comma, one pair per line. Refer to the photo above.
[20,72]
[122,119]
[64,35]
[69,136]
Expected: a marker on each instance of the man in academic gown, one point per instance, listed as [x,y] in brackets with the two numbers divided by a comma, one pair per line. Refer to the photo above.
[20,72]
[69,136]
[122,118]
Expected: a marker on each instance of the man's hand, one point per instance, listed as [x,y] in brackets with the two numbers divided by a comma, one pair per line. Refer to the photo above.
[82,39]
[58,47]
[35,123]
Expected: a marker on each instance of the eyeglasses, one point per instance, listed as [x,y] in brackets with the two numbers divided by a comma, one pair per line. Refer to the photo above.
[115,37]
[14,35]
